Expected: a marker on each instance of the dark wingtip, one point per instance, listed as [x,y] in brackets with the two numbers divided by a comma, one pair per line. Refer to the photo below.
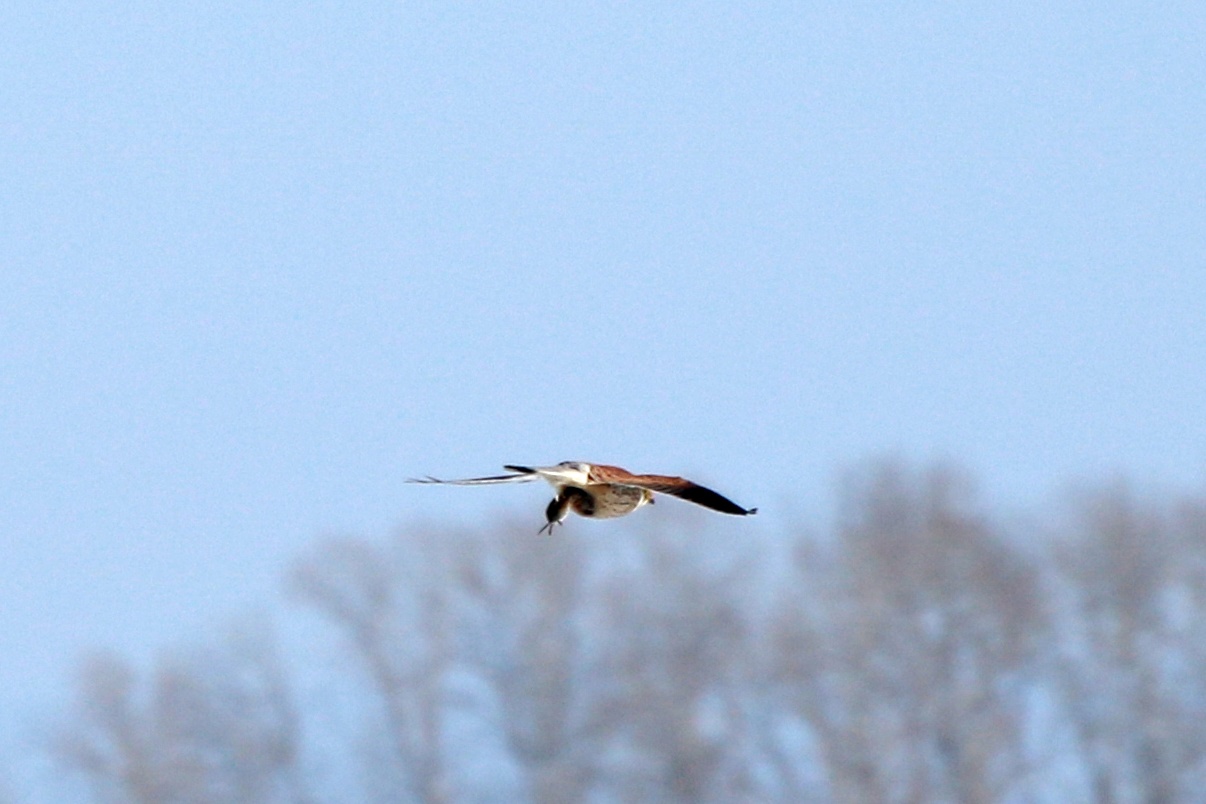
[700,495]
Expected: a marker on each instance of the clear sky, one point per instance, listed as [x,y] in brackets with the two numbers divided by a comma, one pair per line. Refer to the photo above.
[260,263]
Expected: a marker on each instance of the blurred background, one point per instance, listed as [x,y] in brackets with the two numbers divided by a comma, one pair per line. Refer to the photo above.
[924,285]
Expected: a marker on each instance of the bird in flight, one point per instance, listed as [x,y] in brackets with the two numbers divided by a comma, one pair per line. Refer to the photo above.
[601,492]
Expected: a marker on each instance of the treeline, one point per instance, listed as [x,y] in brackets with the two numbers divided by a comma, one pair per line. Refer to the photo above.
[918,651]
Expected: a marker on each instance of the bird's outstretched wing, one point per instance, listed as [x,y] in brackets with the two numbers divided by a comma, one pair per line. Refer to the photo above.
[675,486]
[559,475]
[525,477]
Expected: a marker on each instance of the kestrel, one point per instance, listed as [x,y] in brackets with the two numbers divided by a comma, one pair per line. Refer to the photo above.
[601,492]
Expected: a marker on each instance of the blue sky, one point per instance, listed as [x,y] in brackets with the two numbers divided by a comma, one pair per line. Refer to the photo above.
[261,263]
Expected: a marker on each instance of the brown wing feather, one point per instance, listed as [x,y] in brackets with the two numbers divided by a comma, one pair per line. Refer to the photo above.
[602,473]
[675,486]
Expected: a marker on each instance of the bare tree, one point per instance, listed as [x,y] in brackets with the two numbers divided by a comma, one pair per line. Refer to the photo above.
[585,659]
[218,725]
[434,612]
[671,645]
[390,604]
[906,652]
[525,593]
[1132,656]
